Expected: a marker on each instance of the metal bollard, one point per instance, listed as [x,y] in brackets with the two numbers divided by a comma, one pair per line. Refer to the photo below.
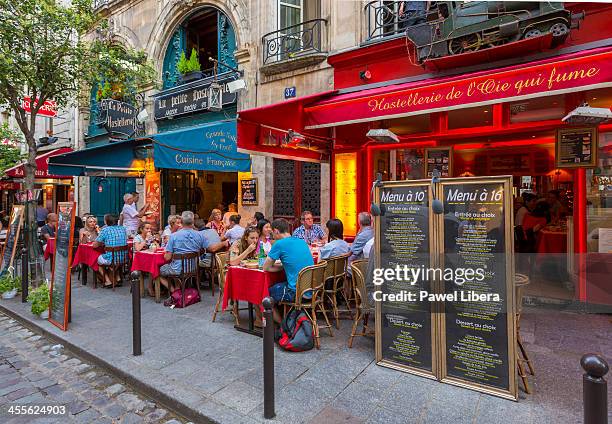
[268,358]
[594,389]
[137,348]
[24,275]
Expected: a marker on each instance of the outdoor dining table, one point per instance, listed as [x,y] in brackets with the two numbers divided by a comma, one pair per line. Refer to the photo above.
[87,255]
[249,285]
[150,262]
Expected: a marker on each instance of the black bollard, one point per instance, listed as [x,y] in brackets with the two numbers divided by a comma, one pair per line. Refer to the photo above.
[24,275]
[268,358]
[135,277]
[594,389]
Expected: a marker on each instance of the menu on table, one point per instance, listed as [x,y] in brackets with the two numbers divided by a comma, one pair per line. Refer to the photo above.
[478,325]
[60,279]
[438,158]
[12,238]
[404,326]
[576,147]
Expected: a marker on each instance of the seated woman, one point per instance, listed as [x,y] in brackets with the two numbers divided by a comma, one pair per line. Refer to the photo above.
[143,238]
[246,247]
[215,222]
[90,232]
[265,234]
[335,245]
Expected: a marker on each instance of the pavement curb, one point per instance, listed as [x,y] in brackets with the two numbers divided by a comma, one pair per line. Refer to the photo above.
[168,402]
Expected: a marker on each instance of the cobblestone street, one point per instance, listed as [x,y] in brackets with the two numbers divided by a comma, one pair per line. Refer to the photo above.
[34,371]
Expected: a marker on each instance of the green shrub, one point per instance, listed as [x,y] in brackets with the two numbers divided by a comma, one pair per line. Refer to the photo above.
[39,297]
[6,283]
[185,66]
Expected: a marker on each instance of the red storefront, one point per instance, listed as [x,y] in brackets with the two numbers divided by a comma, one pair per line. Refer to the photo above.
[494,112]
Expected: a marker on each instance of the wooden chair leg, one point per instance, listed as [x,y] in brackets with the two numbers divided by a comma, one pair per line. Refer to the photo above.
[324,312]
[354,328]
[217,306]
[315,328]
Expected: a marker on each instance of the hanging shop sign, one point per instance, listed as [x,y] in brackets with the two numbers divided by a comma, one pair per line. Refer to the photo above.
[440,158]
[432,95]
[9,185]
[194,97]
[248,192]
[12,238]
[119,118]
[446,308]
[48,108]
[576,147]
[60,277]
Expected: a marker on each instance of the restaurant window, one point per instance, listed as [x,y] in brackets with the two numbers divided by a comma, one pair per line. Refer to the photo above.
[297,188]
[289,13]
[538,109]
[179,192]
[409,125]
[470,117]
[599,199]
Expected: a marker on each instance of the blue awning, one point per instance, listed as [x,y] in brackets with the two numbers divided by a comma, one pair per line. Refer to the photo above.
[122,157]
[210,147]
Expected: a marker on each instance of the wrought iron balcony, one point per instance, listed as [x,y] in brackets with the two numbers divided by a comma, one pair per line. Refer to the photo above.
[387,18]
[98,4]
[295,41]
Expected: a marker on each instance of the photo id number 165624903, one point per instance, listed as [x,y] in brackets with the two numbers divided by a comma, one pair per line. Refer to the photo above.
[33,410]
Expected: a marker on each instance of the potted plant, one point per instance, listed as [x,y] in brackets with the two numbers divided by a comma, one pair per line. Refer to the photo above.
[39,298]
[189,69]
[9,286]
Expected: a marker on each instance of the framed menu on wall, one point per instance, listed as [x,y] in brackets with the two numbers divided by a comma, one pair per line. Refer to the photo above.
[60,277]
[12,238]
[477,327]
[440,158]
[576,147]
[405,333]
[248,192]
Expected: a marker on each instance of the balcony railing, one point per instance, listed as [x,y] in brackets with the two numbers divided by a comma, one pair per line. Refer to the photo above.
[294,41]
[97,4]
[386,18]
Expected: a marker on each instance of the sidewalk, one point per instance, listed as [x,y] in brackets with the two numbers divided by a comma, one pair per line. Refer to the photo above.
[209,370]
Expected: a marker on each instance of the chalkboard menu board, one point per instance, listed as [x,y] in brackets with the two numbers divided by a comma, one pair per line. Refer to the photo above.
[248,192]
[576,147]
[478,334]
[12,238]
[439,158]
[60,279]
[404,328]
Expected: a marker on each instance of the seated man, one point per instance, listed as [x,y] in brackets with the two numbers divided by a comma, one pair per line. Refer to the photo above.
[309,231]
[174,224]
[48,230]
[214,244]
[112,235]
[365,233]
[294,255]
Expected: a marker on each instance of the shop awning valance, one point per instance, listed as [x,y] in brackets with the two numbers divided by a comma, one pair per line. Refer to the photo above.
[42,166]
[122,157]
[210,147]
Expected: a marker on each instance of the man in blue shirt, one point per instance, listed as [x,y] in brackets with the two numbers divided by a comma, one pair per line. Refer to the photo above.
[365,233]
[294,255]
[309,231]
[112,235]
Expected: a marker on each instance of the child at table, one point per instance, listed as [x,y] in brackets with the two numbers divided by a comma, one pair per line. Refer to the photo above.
[244,248]
[143,239]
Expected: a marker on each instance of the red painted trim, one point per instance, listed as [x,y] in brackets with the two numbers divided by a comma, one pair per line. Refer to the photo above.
[580,231]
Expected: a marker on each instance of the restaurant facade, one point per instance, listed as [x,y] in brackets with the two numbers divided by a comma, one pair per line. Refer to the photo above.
[401,107]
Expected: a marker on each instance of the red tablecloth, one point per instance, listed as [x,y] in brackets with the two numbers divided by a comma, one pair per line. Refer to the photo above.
[249,285]
[552,241]
[148,262]
[87,255]
[50,248]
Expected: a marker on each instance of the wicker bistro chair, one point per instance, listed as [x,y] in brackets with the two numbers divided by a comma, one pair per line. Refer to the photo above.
[335,284]
[190,271]
[362,306]
[520,281]
[209,270]
[221,266]
[310,280]
[119,260]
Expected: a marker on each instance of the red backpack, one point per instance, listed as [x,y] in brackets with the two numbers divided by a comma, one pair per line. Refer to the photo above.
[191,296]
[295,332]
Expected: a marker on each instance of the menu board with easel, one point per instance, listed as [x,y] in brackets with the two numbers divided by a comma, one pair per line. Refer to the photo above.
[440,158]
[477,335]
[60,278]
[12,238]
[248,192]
[404,330]
[576,147]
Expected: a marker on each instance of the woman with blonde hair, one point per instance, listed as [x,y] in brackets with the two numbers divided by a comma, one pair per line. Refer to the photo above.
[215,222]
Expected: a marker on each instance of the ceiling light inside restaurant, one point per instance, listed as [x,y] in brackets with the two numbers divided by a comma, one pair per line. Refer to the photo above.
[382,136]
[585,114]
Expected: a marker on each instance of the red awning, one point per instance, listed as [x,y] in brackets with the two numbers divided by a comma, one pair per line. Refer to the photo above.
[42,165]
[561,74]
[263,130]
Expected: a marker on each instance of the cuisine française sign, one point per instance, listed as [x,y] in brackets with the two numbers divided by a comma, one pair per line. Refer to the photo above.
[487,87]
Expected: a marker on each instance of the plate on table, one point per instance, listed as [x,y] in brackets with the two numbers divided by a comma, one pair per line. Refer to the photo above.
[250,264]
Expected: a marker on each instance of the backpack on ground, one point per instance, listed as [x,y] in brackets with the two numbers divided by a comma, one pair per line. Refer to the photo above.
[176,299]
[295,333]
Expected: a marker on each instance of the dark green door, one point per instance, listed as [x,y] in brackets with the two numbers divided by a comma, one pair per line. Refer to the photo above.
[106,195]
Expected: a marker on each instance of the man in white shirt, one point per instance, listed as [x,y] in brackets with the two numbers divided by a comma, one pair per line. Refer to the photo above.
[131,215]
